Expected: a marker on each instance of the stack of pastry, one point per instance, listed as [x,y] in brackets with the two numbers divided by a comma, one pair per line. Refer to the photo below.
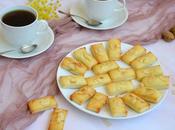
[120,91]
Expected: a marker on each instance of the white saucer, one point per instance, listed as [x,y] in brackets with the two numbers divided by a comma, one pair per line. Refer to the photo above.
[116,20]
[44,41]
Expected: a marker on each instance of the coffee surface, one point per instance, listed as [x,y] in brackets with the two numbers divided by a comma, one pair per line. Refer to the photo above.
[18,18]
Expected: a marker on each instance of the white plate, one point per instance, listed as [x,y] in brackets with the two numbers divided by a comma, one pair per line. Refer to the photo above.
[44,41]
[104,113]
[116,20]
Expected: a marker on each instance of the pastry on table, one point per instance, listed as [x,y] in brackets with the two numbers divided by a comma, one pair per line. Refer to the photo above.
[157,82]
[97,102]
[42,104]
[83,94]
[148,94]
[99,52]
[117,107]
[72,81]
[105,67]
[120,87]
[57,120]
[149,71]
[136,103]
[122,74]
[73,66]
[98,80]
[114,49]
[133,53]
[143,61]
[84,57]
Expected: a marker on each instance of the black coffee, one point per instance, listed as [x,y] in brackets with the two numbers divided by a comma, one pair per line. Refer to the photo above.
[18,18]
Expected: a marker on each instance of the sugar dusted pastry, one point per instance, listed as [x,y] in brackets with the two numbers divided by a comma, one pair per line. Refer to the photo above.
[149,71]
[144,61]
[99,52]
[117,88]
[117,107]
[83,94]
[97,102]
[133,53]
[83,56]
[104,67]
[148,94]
[73,66]
[157,82]
[58,118]
[41,104]
[72,81]
[114,49]
[98,80]
[122,74]
[135,102]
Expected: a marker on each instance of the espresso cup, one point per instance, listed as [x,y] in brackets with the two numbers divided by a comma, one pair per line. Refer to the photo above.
[103,9]
[25,34]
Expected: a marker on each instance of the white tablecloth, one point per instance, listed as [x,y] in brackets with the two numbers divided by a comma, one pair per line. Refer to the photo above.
[162,118]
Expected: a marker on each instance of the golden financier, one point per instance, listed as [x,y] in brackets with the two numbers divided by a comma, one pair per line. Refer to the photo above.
[58,118]
[99,52]
[133,53]
[117,107]
[144,61]
[97,102]
[104,67]
[114,49]
[117,88]
[83,94]
[73,66]
[122,74]
[41,104]
[83,56]
[135,102]
[72,81]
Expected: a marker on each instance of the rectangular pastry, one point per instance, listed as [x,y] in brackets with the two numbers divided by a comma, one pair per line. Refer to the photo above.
[41,104]
[157,82]
[149,71]
[72,81]
[57,120]
[99,52]
[83,56]
[104,67]
[144,61]
[97,102]
[117,88]
[133,53]
[114,49]
[135,102]
[148,94]
[73,66]
[117,107]
[98,80]
[83,94]
[122,74]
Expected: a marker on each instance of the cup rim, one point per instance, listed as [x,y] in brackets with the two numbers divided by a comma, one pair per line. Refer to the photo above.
[21,7]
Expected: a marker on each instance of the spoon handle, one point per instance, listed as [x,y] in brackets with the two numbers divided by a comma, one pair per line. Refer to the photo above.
[6,51]
[68,14]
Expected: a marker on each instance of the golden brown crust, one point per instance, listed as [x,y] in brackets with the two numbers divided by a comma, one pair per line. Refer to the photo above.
[41,104]
[58,119]
[99,52]
[97,102]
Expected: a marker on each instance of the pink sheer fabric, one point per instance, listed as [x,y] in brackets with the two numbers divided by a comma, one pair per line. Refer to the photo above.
[22,80]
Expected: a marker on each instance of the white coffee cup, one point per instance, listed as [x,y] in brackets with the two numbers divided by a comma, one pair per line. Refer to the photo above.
[102,9]
[20,35]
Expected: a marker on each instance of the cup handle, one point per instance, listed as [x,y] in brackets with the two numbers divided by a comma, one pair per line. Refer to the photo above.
[42,26]
[123,6]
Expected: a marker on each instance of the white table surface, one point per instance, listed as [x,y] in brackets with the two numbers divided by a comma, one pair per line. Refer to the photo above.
[162,118]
